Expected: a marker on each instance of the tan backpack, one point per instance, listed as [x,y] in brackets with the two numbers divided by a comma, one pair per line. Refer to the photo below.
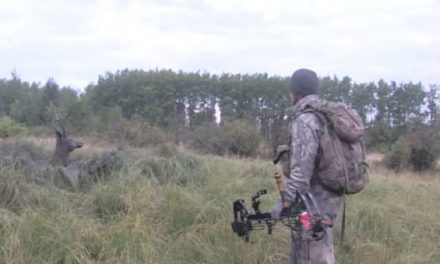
[342,167]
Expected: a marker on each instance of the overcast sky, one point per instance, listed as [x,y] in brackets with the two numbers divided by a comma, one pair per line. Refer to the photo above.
[76,41]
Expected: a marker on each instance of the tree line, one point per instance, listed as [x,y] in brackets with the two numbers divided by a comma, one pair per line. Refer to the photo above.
[182,102]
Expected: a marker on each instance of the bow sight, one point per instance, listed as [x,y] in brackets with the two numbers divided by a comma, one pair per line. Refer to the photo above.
[245,222]
[304,215]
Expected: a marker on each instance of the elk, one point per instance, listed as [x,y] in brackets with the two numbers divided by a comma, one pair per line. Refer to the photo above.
[64,144]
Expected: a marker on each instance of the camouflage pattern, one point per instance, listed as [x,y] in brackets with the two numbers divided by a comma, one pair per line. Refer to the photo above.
[304,148]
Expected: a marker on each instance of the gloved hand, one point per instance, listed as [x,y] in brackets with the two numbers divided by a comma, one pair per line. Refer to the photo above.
[277,209]
[280,210]
[285,212]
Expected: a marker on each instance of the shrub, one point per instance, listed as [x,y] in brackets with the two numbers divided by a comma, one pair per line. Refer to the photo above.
[417,149]
[137,133]
[241,138]
[9,128]
[99,167]
[236,137]
[102,121]
[425,147]
[398,158]
[380,137]
[209,139]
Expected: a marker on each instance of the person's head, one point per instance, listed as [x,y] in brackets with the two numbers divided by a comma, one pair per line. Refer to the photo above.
[303,82]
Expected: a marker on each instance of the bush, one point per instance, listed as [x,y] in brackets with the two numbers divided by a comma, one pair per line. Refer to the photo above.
[380,137]
[137,133]
[236,138]
[425,147]
[242,139]
[209,139]
[418,149]
[398,158]
[9,128]
[103,121]
[99,167]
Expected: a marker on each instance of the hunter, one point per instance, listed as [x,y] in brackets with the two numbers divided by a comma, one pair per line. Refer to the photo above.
[302,170]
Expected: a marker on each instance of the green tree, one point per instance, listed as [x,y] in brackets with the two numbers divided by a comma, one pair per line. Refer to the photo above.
[383,100]
[336,90]
[11,91]
[408,99]
[29,108]
[9,127]
[362,99]
[432,97]
[51,93]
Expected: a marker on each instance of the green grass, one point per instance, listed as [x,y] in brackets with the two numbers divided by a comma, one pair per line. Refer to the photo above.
[177,209]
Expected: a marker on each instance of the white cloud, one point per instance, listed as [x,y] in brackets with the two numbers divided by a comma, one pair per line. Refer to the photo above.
[75,41]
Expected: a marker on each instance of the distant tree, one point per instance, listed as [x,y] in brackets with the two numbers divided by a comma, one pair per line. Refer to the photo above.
[11,91]
[383,102]
[180,103]
[408,100]
[432,97]
[29,109]
[345,90]
[362,99]
[329,88]
[51,93]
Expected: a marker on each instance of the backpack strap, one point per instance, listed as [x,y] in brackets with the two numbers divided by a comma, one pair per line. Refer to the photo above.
[343,221]
[306,110]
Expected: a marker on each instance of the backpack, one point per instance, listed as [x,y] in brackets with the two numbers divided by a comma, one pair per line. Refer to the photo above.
[341,165]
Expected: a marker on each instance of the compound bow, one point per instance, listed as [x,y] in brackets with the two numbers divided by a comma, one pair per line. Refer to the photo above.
[303,215]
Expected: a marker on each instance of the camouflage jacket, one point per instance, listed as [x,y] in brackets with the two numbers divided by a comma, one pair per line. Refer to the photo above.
[304,148]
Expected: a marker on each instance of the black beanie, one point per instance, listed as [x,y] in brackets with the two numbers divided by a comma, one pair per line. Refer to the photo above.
[304,82]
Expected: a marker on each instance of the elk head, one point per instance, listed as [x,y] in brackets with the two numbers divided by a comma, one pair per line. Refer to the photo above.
[64,144]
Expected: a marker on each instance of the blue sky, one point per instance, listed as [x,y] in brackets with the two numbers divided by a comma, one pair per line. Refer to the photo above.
[76,41]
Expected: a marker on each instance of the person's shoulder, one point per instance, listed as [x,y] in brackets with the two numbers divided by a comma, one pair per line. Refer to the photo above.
[309,119]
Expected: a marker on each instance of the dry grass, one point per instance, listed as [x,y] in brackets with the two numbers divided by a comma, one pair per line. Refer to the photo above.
[171,206]
[375,158]
[91,146]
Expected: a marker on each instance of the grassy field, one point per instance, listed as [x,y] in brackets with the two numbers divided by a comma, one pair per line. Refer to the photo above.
[171,206]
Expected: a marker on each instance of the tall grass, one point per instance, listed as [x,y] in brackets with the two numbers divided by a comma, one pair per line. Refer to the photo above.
[176,208]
